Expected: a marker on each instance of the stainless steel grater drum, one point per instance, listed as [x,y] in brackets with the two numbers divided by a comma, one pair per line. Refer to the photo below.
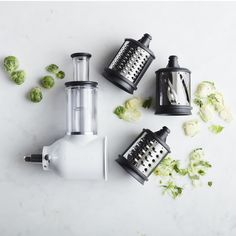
[173,89]
[130,63]
[142,157]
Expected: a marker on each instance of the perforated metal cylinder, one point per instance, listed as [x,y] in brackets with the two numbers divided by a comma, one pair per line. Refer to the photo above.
[142,157]
[130,63]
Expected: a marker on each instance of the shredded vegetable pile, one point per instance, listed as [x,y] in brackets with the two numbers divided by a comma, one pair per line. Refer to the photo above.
[210,103]
[170,171]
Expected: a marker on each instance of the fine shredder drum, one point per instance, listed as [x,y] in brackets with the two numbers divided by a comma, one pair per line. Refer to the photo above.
[81,98]
[142,157]
[173,89]
[130,63]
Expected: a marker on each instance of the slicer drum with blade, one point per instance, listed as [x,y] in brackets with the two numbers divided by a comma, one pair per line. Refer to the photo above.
[173,89]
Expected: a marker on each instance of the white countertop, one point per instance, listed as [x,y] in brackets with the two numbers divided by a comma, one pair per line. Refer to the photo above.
[39,203]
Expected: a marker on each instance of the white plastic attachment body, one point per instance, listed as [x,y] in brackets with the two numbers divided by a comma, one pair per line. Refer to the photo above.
[77,157]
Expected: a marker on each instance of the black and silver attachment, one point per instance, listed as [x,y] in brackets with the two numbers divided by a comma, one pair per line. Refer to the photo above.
[143,156]
[173,89]
[130,63]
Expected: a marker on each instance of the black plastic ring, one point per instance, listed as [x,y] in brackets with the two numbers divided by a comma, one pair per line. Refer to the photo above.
[81,83]
[81,54]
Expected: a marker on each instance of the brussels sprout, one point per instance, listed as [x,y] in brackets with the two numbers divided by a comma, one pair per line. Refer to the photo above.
[36,95]
[52,68]
[47,82]
[191,128]
[60,74]
[11,64]
[18,76]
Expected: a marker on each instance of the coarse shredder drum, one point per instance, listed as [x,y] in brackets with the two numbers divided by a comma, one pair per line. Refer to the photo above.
[143,156]
[130,63]
[173,89]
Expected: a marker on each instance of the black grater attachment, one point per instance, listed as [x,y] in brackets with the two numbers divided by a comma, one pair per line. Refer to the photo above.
[130,63]
[143,156]
[173,89]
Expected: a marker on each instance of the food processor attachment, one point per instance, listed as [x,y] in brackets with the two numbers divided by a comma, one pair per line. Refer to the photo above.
[142,157]
[173,89]
[81,153]
[130,63]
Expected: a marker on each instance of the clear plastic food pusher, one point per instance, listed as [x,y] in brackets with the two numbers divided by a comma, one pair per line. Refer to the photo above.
[81,98]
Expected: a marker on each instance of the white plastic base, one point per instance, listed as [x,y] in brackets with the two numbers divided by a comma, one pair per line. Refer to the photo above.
[77,157]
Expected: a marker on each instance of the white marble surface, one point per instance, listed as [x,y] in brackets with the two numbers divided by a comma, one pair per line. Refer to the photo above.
[34,202]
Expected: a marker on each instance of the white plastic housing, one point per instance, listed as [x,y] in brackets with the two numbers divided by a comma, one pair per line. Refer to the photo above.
[77,157]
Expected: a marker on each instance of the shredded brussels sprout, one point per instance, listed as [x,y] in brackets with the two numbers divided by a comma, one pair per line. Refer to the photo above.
[133,103]
[172,189]
[207,112]
[216,129]
[198,166]
[130,111]
[169,170]
[210,101]
[191,128]
[204,89]
[226,114]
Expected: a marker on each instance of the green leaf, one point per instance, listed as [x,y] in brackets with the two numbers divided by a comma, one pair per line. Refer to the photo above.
[201,172]
[209,183]
[198,102]
[147,103]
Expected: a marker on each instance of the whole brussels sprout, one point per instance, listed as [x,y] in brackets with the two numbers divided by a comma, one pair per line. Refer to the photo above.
[52,68]
[47,82]
[60,74]
[18,76]
[11,64]
[36,95]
